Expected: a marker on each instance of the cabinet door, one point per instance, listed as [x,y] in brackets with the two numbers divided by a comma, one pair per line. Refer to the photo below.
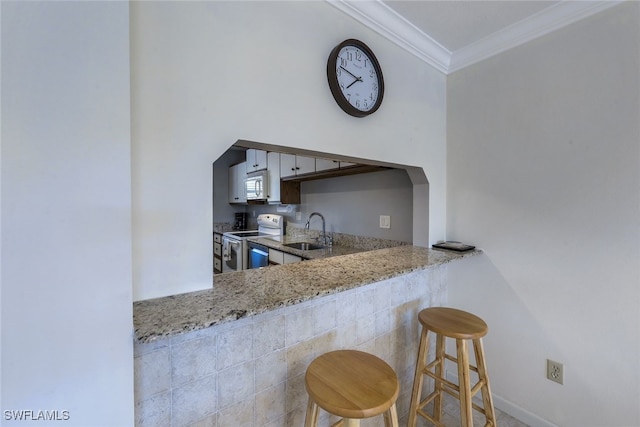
[287,165]
[240,177]
[261,159]
[233,184]
[273,170]
[237,174]
[305,165]
[326,164]
[256,160]
[276,257]
[279,257]
[290,258]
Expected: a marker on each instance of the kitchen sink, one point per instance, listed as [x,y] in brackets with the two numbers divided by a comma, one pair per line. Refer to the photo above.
[304,246]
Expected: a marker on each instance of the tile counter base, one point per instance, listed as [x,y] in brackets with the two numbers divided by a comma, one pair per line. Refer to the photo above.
[250,372]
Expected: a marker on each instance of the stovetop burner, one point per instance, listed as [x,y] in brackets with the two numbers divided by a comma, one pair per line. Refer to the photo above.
[247,233]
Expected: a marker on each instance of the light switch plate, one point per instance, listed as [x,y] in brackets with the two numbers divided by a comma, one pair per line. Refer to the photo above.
[385,221]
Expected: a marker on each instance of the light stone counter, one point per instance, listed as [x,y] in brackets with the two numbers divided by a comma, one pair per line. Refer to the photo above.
[248,293]
[279,243]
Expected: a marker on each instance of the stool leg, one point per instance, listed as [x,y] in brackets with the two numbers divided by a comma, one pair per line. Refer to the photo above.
[487,399]
[418,377]
[311,418]
[466,415]
[439,371]
[391,417]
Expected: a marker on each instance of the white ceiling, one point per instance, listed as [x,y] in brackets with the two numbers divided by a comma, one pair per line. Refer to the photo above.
[452,34]
[456,24]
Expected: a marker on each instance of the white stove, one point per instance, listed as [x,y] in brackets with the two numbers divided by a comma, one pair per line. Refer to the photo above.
[234,243]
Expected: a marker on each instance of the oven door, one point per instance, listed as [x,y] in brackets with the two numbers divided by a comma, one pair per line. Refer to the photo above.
[231,254]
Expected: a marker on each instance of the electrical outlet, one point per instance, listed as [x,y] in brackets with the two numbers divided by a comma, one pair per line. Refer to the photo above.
[555,371]
[385,221]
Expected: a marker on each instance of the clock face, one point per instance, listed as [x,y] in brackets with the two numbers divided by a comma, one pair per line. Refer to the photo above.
[355,78]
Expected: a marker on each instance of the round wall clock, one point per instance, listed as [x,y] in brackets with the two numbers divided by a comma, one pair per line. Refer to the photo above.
[355,78]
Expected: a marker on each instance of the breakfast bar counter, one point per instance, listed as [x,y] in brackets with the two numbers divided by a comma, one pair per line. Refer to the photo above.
[236,354]
[250,292]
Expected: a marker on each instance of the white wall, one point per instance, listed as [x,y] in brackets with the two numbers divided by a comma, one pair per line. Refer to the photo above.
[544,175]
[66,212]
[353,204]
[205,74]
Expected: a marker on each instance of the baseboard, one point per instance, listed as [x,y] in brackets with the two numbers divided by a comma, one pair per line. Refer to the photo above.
[519,413]
[510,408]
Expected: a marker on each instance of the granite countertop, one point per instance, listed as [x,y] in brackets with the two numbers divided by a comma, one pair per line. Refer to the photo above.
[279,242]
[251,292]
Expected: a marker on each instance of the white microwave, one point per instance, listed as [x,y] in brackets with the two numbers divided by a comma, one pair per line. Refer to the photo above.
[256,185]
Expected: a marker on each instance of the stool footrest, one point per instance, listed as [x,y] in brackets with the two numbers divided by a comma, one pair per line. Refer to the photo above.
[430,418]
[428,371]
[455,360]
[452,392]
[444,382]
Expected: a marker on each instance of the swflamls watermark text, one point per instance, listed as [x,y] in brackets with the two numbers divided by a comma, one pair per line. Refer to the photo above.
[33,415]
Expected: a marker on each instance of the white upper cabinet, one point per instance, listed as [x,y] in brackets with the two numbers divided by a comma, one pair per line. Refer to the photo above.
[237,175]
[292,165]
[273,169]
[256,160]
[287,165]
[326,164]
[305,165]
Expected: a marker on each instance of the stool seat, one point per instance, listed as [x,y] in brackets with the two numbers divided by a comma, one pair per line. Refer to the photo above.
[453,323]
[353,385]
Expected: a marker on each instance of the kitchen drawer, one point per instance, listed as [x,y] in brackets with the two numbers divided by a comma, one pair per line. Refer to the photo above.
[217,237]
[217,265]
[217,249]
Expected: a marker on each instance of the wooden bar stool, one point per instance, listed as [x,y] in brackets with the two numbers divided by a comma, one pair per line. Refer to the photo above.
[461,326]
[353,385]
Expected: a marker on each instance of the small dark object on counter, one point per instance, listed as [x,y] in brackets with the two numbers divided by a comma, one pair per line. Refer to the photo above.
[454,246]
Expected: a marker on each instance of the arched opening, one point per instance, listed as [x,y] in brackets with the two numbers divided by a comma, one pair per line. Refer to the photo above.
[354,201]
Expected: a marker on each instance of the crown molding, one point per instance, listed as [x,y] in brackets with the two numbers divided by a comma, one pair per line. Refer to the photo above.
[385,21]
[377,16]
[540,24]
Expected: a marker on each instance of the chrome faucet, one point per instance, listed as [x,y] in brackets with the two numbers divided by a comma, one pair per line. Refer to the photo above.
[323,237]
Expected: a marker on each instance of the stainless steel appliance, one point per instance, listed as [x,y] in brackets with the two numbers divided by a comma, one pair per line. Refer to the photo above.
[235,244]
[256,185]
[257,255]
